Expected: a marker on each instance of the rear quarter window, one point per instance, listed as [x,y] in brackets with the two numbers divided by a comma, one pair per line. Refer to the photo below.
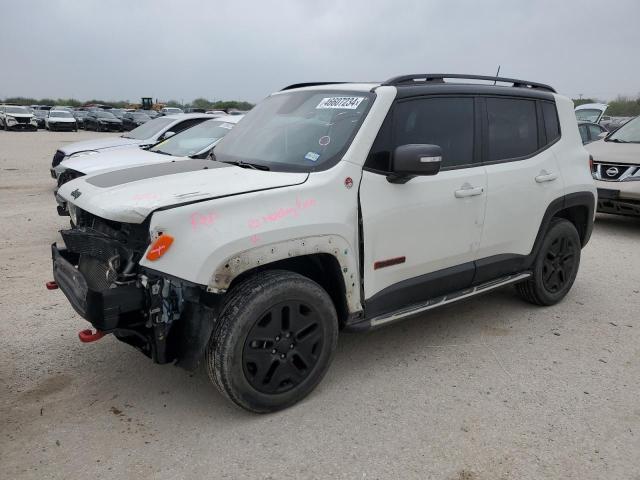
[551,123]
[513,128]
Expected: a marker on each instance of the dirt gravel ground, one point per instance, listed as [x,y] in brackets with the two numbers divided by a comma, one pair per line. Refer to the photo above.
[489,389]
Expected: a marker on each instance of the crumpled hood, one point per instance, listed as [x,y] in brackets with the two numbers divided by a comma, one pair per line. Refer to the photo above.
[98,144]
[613,152]
[114,159]
[131,194]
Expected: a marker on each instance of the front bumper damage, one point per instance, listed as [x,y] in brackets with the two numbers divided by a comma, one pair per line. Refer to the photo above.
[167,319]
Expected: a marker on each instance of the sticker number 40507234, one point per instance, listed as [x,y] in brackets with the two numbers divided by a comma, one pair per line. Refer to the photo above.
[350,103]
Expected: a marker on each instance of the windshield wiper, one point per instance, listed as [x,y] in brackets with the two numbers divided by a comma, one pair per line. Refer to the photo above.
[254,166]
[160,152]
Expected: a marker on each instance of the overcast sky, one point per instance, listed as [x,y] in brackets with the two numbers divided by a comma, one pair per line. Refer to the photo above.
[245,49]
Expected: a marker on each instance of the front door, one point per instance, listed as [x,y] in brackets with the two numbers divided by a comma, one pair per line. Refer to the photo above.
[421,237]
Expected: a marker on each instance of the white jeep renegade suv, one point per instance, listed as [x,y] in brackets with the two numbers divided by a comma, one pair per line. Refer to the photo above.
[330,206]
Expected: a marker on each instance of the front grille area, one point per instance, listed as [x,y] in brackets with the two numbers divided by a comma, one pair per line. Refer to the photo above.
[98,275]
[23,119]
[615,172]
[57,158]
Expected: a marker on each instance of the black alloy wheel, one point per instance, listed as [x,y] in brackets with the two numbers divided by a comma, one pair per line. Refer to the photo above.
[275,337]
[282,347]
[558,264]
[555,267]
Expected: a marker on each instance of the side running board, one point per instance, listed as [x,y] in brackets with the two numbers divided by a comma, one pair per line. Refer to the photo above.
[404,313]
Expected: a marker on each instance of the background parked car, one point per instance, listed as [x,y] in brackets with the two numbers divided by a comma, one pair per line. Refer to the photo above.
[40,117]
[616,170]
[194,110]
[14,117]
[117,112]
[143,136]
[591,112]
[101,121]
[170,111]
[590,132]
[79,115]
[131,120]
[60,120]
[192,143]
[62,107]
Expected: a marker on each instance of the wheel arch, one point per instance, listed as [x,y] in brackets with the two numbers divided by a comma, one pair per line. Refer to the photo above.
[578,208]
[327,259]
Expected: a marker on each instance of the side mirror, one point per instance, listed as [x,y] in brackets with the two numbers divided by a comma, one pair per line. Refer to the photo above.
[168,134]
[414,160]
[601,135]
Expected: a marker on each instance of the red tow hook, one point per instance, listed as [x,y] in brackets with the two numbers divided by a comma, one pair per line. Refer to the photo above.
[87,336]
[51,285]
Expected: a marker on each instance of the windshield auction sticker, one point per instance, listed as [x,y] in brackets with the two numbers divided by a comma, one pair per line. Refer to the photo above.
[349,103]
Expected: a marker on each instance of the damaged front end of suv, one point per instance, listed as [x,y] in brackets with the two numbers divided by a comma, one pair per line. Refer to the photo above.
[100,274]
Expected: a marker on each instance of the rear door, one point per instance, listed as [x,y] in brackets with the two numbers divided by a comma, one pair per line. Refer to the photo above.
[523,179]
[421,237]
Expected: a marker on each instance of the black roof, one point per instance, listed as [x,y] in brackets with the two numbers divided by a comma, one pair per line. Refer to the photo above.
[434,83]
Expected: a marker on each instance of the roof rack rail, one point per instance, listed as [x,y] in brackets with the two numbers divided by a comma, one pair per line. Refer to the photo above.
[309,84]
[422,78]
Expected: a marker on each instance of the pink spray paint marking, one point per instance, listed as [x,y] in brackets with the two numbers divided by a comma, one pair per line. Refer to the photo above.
[199,220]
[281,213]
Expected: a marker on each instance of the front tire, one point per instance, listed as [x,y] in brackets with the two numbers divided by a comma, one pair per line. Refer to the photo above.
[275,339]
[555,267]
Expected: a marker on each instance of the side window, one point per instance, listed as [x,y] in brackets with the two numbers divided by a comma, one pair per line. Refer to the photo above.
[447,122]
[513,128]
[551,124]
[584,135]
[178,127]
[594,131]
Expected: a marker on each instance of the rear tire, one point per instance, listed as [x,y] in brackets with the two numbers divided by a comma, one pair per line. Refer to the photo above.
[555,267]
[274,341]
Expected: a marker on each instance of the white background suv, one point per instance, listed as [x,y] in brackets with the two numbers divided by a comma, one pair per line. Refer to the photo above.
[345,206]
[13,117]
[147,134]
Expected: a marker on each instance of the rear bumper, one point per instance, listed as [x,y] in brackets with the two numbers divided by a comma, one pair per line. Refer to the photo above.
[103,309]
[615,202]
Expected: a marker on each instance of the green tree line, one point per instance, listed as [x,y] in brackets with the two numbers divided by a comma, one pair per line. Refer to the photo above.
[72,102]
[622,106]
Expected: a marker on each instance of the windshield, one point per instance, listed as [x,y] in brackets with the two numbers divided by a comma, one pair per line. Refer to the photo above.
[80,113]
[588,115]
[628,133]
[148,129]
[61,114]
[194,139]
[105,115]
[17,110]
[297,131]
[140,116]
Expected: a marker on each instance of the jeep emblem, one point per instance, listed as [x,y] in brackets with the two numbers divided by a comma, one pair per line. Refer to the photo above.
[76,193]
[612,172]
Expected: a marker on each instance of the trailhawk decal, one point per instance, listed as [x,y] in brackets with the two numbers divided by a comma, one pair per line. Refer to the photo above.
[350,103]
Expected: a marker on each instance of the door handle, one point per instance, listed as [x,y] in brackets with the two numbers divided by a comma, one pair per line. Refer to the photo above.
[468,191]
[545,176]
